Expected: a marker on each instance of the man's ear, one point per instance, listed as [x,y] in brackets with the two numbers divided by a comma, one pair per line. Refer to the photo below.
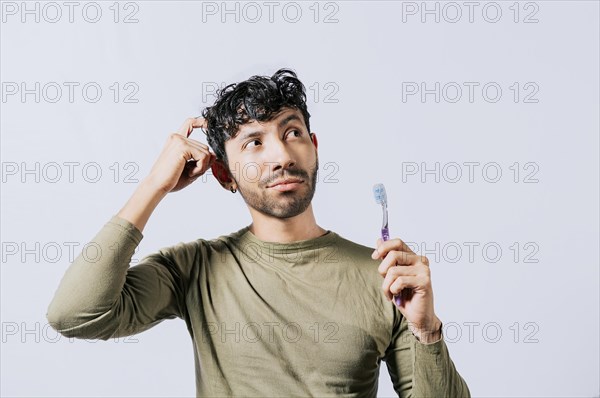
[221,173]
[313,138]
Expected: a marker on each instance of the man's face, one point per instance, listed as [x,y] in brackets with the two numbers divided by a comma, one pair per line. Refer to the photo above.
[264,153]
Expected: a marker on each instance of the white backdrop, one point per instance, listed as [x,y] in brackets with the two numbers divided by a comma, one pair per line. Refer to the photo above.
[480,118]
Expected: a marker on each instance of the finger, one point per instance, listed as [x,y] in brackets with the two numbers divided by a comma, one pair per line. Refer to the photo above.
[391,244]
[401,260]
[402,270]
[202,165]
[190,124]
[405,282]
[383,247]
[386,268]
[198,122]
[394,258]
[194,154]
[193,169]
[186,127]
[185,143]
[208,154]
[198,143]
[205,149]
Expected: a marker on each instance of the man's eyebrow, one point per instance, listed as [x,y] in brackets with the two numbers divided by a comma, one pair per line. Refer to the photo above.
[282,123]
[288,119]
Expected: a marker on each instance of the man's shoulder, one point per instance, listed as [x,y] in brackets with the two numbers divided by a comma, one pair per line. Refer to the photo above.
[222,241]
[354,249]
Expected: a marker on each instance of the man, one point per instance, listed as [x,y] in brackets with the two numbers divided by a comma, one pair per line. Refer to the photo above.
[282,307]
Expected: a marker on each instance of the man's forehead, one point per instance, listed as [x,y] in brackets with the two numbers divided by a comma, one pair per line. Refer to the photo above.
[283,115]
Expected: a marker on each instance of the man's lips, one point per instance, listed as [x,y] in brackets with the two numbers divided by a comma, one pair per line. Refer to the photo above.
[286,185]
[287,181]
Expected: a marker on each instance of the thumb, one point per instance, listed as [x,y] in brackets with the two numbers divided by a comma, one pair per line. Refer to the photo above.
[375,254]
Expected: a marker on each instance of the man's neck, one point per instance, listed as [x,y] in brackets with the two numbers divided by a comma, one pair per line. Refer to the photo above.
[286,230]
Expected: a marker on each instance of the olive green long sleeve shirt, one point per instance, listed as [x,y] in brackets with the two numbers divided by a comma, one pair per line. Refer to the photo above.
[306,318]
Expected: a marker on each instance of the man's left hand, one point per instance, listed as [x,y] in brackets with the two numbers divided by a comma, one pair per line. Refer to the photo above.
[409,273]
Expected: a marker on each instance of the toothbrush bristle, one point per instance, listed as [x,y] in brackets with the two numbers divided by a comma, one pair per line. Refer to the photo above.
[379,194]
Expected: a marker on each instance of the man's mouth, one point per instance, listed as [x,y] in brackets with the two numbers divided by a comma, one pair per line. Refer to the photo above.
[286,184]
[284,181]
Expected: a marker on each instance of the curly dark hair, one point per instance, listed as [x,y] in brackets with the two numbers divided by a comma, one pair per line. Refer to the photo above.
[259,98]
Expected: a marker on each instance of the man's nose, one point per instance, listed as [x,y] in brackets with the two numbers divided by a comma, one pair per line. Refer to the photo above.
[280,156]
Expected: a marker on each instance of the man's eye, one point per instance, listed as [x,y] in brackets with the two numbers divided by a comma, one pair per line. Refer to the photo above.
[250,142]
[296,131]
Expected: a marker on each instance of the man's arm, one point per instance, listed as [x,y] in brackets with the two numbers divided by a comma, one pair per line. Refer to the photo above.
[421,370]
[101,297]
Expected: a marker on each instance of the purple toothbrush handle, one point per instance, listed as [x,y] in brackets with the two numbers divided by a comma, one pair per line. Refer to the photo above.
[385,235]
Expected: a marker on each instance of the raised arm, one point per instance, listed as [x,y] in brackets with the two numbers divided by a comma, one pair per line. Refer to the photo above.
[417,357]
[101,296]
[105,298]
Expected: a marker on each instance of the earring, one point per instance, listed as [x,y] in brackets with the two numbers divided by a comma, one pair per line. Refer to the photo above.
[233,190]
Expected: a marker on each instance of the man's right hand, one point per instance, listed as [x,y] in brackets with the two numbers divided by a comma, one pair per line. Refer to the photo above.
[182,159]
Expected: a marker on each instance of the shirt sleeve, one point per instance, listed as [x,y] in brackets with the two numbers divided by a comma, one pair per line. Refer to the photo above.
[421,370]
[100,296]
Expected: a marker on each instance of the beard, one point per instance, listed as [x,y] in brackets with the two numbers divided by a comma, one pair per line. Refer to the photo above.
[282,204]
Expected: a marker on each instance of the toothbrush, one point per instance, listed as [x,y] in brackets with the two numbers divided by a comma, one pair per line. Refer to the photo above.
[381,198]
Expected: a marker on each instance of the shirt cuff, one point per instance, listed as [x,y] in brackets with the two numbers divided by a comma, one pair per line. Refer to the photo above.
[433,347]
[127,228]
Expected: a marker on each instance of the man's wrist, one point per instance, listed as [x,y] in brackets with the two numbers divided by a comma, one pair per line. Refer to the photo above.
[429,335]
